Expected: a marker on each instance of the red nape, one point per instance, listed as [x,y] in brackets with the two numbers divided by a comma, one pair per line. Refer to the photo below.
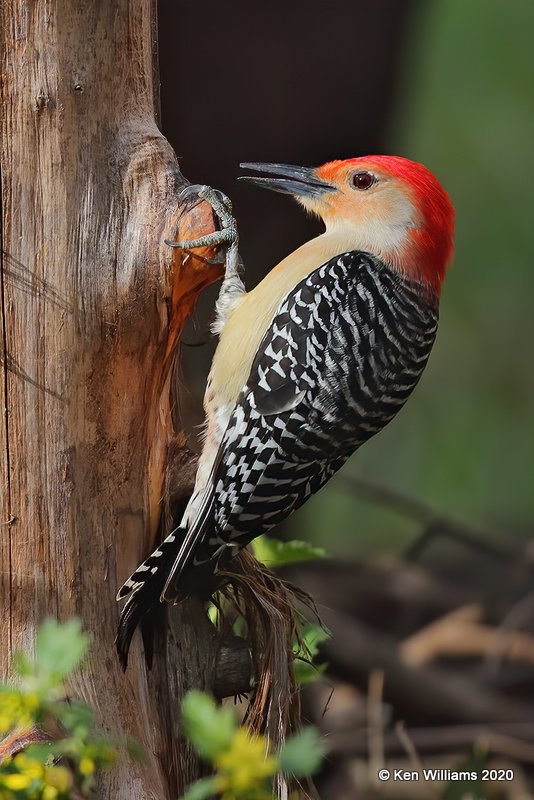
[433,240]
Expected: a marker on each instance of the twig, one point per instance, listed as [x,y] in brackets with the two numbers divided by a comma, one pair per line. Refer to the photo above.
[514,740]
[355,650]
[460,633]
[510,747]
[408,745]
[375,721]
[435,523]
[518,614]
[16,741]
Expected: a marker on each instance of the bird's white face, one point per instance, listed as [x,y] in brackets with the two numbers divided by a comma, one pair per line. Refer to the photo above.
[368,209]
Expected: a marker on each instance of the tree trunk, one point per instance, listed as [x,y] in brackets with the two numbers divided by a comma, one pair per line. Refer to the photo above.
[92,307]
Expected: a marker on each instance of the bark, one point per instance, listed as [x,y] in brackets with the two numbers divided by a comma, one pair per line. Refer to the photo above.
[92,307]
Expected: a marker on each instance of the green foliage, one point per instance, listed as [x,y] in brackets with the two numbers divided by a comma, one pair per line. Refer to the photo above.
[463,107]
[39,698]
[302,754]
[274,553]
[210,729]
[305,668]
[204,789]
[243,764]
[59,649]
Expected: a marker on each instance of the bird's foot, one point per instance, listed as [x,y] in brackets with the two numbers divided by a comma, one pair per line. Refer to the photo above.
[226,235]
[232,285]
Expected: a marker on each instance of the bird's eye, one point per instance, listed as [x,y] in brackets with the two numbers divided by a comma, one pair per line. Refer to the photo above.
[363,180]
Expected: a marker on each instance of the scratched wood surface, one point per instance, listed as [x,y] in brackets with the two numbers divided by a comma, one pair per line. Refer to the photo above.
[93,303]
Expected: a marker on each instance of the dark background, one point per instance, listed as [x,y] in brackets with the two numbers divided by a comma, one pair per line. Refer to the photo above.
[291,82]
[448,83]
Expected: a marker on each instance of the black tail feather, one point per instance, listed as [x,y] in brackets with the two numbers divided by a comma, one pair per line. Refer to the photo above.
[166,574]
[143,591]
[139,604]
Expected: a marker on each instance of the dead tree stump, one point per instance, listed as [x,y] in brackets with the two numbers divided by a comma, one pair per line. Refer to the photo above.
[93,303]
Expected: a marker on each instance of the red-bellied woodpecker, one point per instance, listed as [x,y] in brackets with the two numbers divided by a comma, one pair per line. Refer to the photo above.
[315,360]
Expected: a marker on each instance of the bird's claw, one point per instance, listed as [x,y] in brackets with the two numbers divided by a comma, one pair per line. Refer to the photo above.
[201,192]
[209,240]
[226,235]
[222,209]
[232,285]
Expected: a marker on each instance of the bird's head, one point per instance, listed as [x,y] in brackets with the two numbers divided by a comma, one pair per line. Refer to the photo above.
[389,206]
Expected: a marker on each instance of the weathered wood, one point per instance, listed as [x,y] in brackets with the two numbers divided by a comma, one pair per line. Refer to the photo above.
[92,307]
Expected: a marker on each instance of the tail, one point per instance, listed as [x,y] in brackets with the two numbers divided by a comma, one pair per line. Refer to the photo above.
[143,590]
[185,563]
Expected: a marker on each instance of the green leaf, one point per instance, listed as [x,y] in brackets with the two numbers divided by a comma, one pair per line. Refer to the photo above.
[45,753]
[213,614]
[312,636]
[306,671]
[76,717]
[209,728]
[274,553]
[201,790]
[22,665]
[60,647]
[302,754]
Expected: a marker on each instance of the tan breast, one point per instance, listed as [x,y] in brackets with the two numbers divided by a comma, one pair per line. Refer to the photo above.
[253,314]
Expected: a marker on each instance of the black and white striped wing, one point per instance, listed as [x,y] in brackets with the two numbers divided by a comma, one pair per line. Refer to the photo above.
[332,371]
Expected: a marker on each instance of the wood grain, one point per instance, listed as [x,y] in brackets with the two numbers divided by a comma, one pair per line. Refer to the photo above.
[93,304]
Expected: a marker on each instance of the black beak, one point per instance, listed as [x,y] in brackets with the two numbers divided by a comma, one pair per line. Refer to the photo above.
[298,181]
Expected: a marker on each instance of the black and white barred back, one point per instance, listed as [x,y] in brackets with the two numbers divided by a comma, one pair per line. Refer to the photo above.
[340,359]
[344,353]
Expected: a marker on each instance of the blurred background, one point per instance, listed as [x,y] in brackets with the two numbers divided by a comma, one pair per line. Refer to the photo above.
[430,523]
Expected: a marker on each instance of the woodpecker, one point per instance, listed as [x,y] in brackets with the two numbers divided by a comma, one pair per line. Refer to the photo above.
[310,364]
